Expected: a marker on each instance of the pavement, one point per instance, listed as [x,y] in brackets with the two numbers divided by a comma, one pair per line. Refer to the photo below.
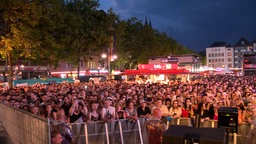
[4,137]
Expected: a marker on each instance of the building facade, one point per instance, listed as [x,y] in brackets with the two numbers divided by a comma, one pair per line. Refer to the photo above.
[242,47]
[222,55]
[23,69]
[69,70]
[190,62]
[249,64]
[219,55]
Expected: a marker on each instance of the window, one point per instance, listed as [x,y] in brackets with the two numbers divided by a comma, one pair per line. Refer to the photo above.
[222,60]
[209,55]
[218,54]
[215,55]
[222,54]
[229,59]
[249,49]
[230,65]
[229,54]
[209,60]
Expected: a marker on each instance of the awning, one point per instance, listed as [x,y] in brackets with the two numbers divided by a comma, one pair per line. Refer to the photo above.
[59,80]
[155,72]
[21,82]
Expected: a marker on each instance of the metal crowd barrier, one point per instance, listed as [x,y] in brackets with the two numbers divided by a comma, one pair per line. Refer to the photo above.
[119,132]
[23,127]
[125,132]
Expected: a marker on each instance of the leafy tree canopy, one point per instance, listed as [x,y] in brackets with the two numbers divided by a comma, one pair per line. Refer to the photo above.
[76,31]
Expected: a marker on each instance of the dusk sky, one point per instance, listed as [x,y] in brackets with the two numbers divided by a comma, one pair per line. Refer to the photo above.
[195,24]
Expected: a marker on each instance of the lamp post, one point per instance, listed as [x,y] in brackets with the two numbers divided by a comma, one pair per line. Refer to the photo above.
[110,58]
[103,56]
[111,44]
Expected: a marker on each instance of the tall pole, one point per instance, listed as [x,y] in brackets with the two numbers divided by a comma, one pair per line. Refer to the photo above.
[242,65]
[110,54]
[29,69]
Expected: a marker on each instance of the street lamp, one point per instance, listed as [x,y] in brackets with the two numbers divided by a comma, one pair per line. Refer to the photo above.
[114,57]
[104,56]
[110,59]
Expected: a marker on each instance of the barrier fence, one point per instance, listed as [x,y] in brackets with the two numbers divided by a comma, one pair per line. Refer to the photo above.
[25,128]
[125,132]
[119,132]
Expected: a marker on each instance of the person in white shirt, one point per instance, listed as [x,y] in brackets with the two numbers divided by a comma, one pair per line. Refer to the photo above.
[108,112]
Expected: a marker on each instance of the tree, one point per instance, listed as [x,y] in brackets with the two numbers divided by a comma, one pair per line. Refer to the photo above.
[18,18]
[129,43]
[85,31]
[28,30]
[51,29]
[202,54]
[137,42]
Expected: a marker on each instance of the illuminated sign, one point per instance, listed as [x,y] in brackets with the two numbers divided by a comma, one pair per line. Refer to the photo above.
[157,66]
[249,66]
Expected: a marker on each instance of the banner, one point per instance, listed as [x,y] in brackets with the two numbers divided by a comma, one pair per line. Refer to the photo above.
[157,66]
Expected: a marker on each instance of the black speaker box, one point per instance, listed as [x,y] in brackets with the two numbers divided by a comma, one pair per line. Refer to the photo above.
[228,119]
[189,135]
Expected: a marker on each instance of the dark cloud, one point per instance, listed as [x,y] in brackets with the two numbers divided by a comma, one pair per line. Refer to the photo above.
[195,23]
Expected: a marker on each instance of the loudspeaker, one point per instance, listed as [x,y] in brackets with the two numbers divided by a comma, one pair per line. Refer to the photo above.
[189,135]
[228,119]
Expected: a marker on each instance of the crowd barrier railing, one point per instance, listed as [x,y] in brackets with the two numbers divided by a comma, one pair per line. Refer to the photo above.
[119,131]
[23,127]
[126,132]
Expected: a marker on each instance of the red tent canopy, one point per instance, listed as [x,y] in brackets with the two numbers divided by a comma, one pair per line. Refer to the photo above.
[154,72]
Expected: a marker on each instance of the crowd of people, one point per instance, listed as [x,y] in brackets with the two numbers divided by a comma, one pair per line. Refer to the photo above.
[111,100]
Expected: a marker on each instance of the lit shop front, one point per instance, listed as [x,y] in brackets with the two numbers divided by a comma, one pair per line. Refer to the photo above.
[73,74]
[249,64]
[158,72]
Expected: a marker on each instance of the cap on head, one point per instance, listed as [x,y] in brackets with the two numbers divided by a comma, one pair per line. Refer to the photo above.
[109,99]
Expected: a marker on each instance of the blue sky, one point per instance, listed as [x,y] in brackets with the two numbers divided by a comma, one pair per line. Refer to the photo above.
[195,24]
